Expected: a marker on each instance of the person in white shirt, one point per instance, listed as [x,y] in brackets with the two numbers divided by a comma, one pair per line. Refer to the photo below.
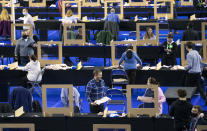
[33,69]
[27,19]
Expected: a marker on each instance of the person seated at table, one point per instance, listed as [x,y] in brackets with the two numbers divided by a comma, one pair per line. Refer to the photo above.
[60,6]
[4,15]
[190,34]
[170,50]
[181,111]
[67,21]
[149,35]
[197,118]
[112,16]
[27,19]
[21,96]
[24,48]
[5,24]
[34,70]
[95,90]
[69,16]
[112,24]
[65,98]
[149,95]
[130,59]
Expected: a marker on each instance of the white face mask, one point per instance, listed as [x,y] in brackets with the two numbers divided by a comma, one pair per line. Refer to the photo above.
[24,13]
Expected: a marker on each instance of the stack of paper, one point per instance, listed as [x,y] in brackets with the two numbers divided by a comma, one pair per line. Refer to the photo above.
[102,100]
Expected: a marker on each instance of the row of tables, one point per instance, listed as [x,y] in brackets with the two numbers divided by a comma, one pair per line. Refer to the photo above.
[174,78]
[98,12]
[129,25]
[84,122]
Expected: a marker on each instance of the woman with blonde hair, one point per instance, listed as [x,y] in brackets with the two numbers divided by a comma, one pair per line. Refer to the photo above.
[69,16]
[4,15]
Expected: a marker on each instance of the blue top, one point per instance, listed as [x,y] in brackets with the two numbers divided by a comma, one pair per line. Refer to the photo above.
[65,97]
[194,62]
[130,63]
[21,96]
[112,17]
[95,90]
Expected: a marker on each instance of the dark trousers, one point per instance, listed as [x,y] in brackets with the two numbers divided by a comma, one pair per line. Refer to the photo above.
[180,126]
[24,82]
[194,80]
[168,60]
[96,108]
[131,74]
[24,60]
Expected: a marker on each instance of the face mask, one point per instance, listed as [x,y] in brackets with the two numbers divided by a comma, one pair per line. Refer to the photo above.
[24,36]
[194,115]
[24,13]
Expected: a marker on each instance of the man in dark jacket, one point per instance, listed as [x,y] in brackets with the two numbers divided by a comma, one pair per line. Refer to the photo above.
[190,34]
[21,96]
[181,111]
[170,49]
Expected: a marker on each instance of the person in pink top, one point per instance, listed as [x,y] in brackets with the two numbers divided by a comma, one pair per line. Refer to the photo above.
[149,95]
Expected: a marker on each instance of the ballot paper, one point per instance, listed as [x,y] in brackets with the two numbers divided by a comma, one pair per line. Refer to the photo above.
[178,67]
[158,66]
[102,100]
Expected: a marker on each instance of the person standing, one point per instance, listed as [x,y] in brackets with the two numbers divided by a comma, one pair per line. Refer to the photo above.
[95,90]
[130,59]
[24,48]
[149,95]
[27,19]
[170,50]
[194,70]
[190,34]
[181,111]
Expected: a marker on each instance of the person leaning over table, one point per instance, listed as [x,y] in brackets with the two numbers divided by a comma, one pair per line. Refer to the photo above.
[149,94]
[95,90]
[130,59]
[170,50]
[24,48]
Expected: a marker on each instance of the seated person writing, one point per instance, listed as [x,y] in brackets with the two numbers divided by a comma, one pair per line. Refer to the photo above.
[149,94]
